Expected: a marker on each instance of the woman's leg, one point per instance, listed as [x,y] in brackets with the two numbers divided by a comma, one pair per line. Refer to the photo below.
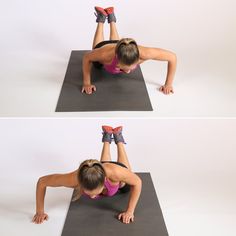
[113,32]
[122,156]
[99,35]
[106,139]
[112,21]
[106,155]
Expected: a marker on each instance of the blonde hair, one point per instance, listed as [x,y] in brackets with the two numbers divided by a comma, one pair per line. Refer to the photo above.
[91,175]
[127,51]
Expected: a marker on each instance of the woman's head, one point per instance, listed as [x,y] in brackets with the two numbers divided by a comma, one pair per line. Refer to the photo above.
[91,176]
[127,53]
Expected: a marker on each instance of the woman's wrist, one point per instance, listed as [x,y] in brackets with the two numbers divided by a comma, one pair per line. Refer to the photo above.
[168,83]
[131,211]
[39,210]
[86,82]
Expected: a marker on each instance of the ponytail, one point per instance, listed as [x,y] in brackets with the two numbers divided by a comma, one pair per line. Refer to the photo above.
[91,175]
[127,51]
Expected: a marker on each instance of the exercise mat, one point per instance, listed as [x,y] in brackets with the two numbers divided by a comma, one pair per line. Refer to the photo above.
[119,92]
[99,217]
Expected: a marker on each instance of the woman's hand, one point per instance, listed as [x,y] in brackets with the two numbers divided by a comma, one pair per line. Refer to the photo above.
[126,217]
[88,89]
[166,89]
[39,218]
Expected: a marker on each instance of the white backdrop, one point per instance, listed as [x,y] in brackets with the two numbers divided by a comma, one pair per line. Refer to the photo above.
[38,36]
[192,163]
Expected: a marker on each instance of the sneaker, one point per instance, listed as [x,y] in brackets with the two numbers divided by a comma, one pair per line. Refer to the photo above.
[100,14]
[109,10]
[107,133]
[111,14]
[117,134]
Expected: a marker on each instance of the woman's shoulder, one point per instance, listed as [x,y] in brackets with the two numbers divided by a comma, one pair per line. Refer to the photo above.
[72,178]
[111,171]
[143,52]
[105,53]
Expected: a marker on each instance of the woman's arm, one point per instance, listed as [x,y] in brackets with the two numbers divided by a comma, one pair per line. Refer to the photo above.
[124,175]
[162,55]
[88,88]
[54,180]
[99,54]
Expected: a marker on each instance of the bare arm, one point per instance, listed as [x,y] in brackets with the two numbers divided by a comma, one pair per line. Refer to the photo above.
[100,55]
[161,55]
[124,175]
[54,180]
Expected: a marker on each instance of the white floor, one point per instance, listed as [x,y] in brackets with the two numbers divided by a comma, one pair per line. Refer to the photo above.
[192,163]
[37,38]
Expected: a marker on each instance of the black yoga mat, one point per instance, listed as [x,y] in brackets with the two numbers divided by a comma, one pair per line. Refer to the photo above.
[99,217]
[122,92]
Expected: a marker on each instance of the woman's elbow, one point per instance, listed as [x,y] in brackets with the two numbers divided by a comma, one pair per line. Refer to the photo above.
[173,58]
[139,182]
[41,181]
[85,57]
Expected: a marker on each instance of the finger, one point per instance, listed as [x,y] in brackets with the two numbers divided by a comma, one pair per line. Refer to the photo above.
[129,219]
[46,218]
[87,91]
[132,219]
[125,219]
[161,88]
[82,90]
[94,88]
[119,216]
[41,220]
[34,219]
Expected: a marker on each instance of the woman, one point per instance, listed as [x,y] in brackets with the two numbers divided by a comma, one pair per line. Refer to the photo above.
[121,55]
[96,179]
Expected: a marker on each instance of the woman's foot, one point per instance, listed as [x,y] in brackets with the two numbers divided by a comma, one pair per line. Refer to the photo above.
[107,133]
[100,14]
[117,134]
[111,14]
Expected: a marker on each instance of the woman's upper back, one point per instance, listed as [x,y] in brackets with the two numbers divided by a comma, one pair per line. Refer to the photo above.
[110,169]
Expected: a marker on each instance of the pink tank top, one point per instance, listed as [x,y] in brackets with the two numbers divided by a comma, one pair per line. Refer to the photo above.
[111,190]
[112,68]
